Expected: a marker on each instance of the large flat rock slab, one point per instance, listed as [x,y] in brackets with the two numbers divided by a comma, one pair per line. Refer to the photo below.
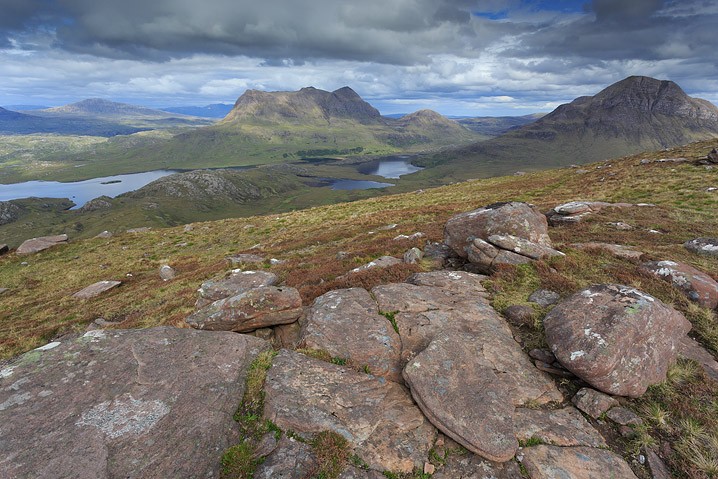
[560,427]
[461,395]
[423,312]
[35,245]
[471,466]
[124,404]
[346,323]
[552,462]
[96,289]
[377,417]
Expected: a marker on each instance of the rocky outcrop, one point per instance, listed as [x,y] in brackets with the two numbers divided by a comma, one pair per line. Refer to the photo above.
[35,245]
[9,212]
[461,395]
[704,246]
[382,262]
[377,417]
[513,218]
[238,282]
[695,284]
[346,323]
[253,309]
[123,404]
[499,234]
[551,462]
[96,289]
[616,338]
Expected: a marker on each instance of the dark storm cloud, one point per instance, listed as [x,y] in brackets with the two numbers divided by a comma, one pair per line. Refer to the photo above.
[400,32]
[623,11]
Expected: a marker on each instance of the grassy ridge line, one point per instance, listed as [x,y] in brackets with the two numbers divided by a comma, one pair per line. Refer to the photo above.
[39,305]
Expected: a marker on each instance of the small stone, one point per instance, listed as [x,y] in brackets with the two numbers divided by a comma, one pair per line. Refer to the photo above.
[552,369]
[703,246]
[104,235]
[542,355]
[245,258]
[275,261]
[4,290]
[383,262]
[544,297]
[429,468]
[342,255]
[187,228]
[626,431]
[24,263]
[144,229]
[641,459]
[167,272]
[96,289]
[621,226]
[624,417]
[592,402]
[657,466]
[520,315]
[413,256]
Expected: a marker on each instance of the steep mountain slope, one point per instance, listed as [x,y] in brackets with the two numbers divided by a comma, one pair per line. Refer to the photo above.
[428,125]
[635,114]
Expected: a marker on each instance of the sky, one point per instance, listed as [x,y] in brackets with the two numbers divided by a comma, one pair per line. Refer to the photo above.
[458,57]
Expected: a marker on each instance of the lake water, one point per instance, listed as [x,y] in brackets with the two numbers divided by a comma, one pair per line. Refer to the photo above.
[389,167]
[357,184]
[80,192]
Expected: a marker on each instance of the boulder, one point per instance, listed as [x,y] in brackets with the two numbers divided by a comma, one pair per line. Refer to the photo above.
[461,395]
[104,235]
[616,338]
[456,281]
[167,272]
[377,417]
[135,403]
[552,462]
[96,289]
[592,402]
[346,323]
[513,218]
[238,282]
[713,156]
[704,246]
[35,245]
[256,308]
[560,427]
[695,284]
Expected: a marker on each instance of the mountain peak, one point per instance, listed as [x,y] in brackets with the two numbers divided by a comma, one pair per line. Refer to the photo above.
[308,105]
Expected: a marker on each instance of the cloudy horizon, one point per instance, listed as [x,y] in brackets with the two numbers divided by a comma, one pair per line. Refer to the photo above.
[458,57]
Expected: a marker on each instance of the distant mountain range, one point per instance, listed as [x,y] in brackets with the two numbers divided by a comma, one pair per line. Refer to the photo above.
[92,117]
[215,110]
[497,125]
[633,115]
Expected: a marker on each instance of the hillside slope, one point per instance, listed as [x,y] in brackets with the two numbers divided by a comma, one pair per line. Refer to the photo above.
[635,114]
